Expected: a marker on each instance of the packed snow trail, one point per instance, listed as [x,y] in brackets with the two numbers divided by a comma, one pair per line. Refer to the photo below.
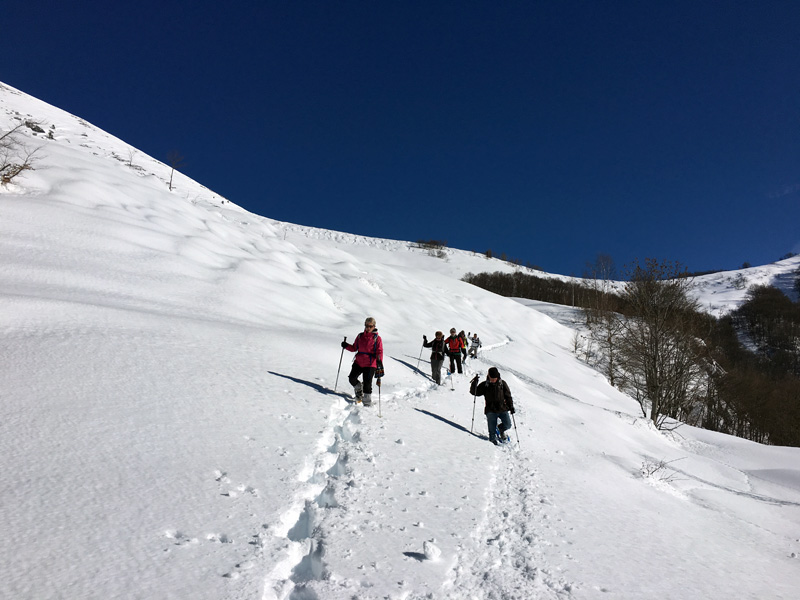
[506,524]
[298,535]
[504,557]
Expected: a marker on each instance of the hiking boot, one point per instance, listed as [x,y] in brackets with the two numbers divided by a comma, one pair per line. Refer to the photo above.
[367,399]
[358,388]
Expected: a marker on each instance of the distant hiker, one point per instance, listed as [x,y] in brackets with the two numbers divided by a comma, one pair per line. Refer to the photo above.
[474,344]
[369,357]
[499,403]
[463,337]
[454,344]
[437,355]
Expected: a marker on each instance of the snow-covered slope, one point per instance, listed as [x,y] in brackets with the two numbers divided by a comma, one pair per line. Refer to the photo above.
[169,426]
[721,293]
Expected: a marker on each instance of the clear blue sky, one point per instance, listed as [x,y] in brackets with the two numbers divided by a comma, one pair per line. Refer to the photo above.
[550,131]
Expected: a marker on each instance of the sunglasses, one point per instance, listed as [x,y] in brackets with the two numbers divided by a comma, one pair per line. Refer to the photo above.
[369,326]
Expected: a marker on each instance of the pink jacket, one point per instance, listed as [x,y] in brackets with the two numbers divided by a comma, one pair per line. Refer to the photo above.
[369,347]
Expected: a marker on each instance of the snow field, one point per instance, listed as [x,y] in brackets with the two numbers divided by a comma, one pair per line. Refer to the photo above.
[169,427]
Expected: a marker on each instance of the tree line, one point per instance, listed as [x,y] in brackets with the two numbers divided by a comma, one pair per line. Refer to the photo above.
[739,374]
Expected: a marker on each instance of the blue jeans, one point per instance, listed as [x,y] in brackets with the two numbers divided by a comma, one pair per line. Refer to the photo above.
[491,420]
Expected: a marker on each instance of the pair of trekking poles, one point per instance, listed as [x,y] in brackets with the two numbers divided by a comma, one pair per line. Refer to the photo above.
[378,382]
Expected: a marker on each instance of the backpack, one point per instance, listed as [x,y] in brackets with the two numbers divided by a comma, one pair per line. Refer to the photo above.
[458,344]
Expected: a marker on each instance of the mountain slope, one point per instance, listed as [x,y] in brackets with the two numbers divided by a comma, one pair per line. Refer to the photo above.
[170,427]
[720,293]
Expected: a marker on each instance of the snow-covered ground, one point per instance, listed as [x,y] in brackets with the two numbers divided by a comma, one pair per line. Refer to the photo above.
[169,426]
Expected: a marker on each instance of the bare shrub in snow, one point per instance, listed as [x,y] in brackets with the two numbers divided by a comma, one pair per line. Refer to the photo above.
[16,156]
[659,470]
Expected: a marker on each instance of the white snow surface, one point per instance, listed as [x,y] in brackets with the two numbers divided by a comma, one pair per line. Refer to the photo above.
[170,429]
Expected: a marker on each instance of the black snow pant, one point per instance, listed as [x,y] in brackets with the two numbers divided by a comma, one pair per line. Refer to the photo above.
[455,357]
[436,369]
[368,372]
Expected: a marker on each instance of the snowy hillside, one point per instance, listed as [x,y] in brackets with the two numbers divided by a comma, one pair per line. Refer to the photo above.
[721,293]
[169,426]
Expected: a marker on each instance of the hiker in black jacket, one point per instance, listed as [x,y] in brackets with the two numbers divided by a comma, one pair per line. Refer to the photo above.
[499,403]
[437,355]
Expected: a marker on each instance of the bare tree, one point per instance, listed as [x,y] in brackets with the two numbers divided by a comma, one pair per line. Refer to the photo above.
[15,155]
[660,354]
[176,162]
[602,268]
[605,324]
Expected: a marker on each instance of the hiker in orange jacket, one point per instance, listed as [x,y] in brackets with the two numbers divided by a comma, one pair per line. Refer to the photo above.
[453,345]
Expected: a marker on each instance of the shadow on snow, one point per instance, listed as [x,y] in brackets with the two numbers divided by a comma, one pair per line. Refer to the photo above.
[412,367]
[449,422]
[314,386]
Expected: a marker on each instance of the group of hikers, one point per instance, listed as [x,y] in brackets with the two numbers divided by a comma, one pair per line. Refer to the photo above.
[454,347]
[368,365]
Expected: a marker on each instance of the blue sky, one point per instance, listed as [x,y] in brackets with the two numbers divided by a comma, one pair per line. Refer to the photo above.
[548,131]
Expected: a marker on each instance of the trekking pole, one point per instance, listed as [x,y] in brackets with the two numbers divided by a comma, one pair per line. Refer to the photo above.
[420,354]
[379,399]
[474,399]
[515,428]
[340,367]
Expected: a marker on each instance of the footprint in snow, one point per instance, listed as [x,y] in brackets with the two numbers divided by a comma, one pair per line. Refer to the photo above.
[180,538]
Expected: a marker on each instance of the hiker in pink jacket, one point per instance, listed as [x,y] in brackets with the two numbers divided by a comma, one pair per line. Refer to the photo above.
[368,347]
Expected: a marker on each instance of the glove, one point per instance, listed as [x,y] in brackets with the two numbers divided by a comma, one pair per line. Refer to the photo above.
[425,338]
[344,344]
[512,411]
[474,379]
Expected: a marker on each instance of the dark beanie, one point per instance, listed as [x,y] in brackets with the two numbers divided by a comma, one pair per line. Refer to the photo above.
[494,373]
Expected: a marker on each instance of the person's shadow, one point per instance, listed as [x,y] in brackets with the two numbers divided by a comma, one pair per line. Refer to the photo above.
[314,386]
[449,422]
[412,367]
